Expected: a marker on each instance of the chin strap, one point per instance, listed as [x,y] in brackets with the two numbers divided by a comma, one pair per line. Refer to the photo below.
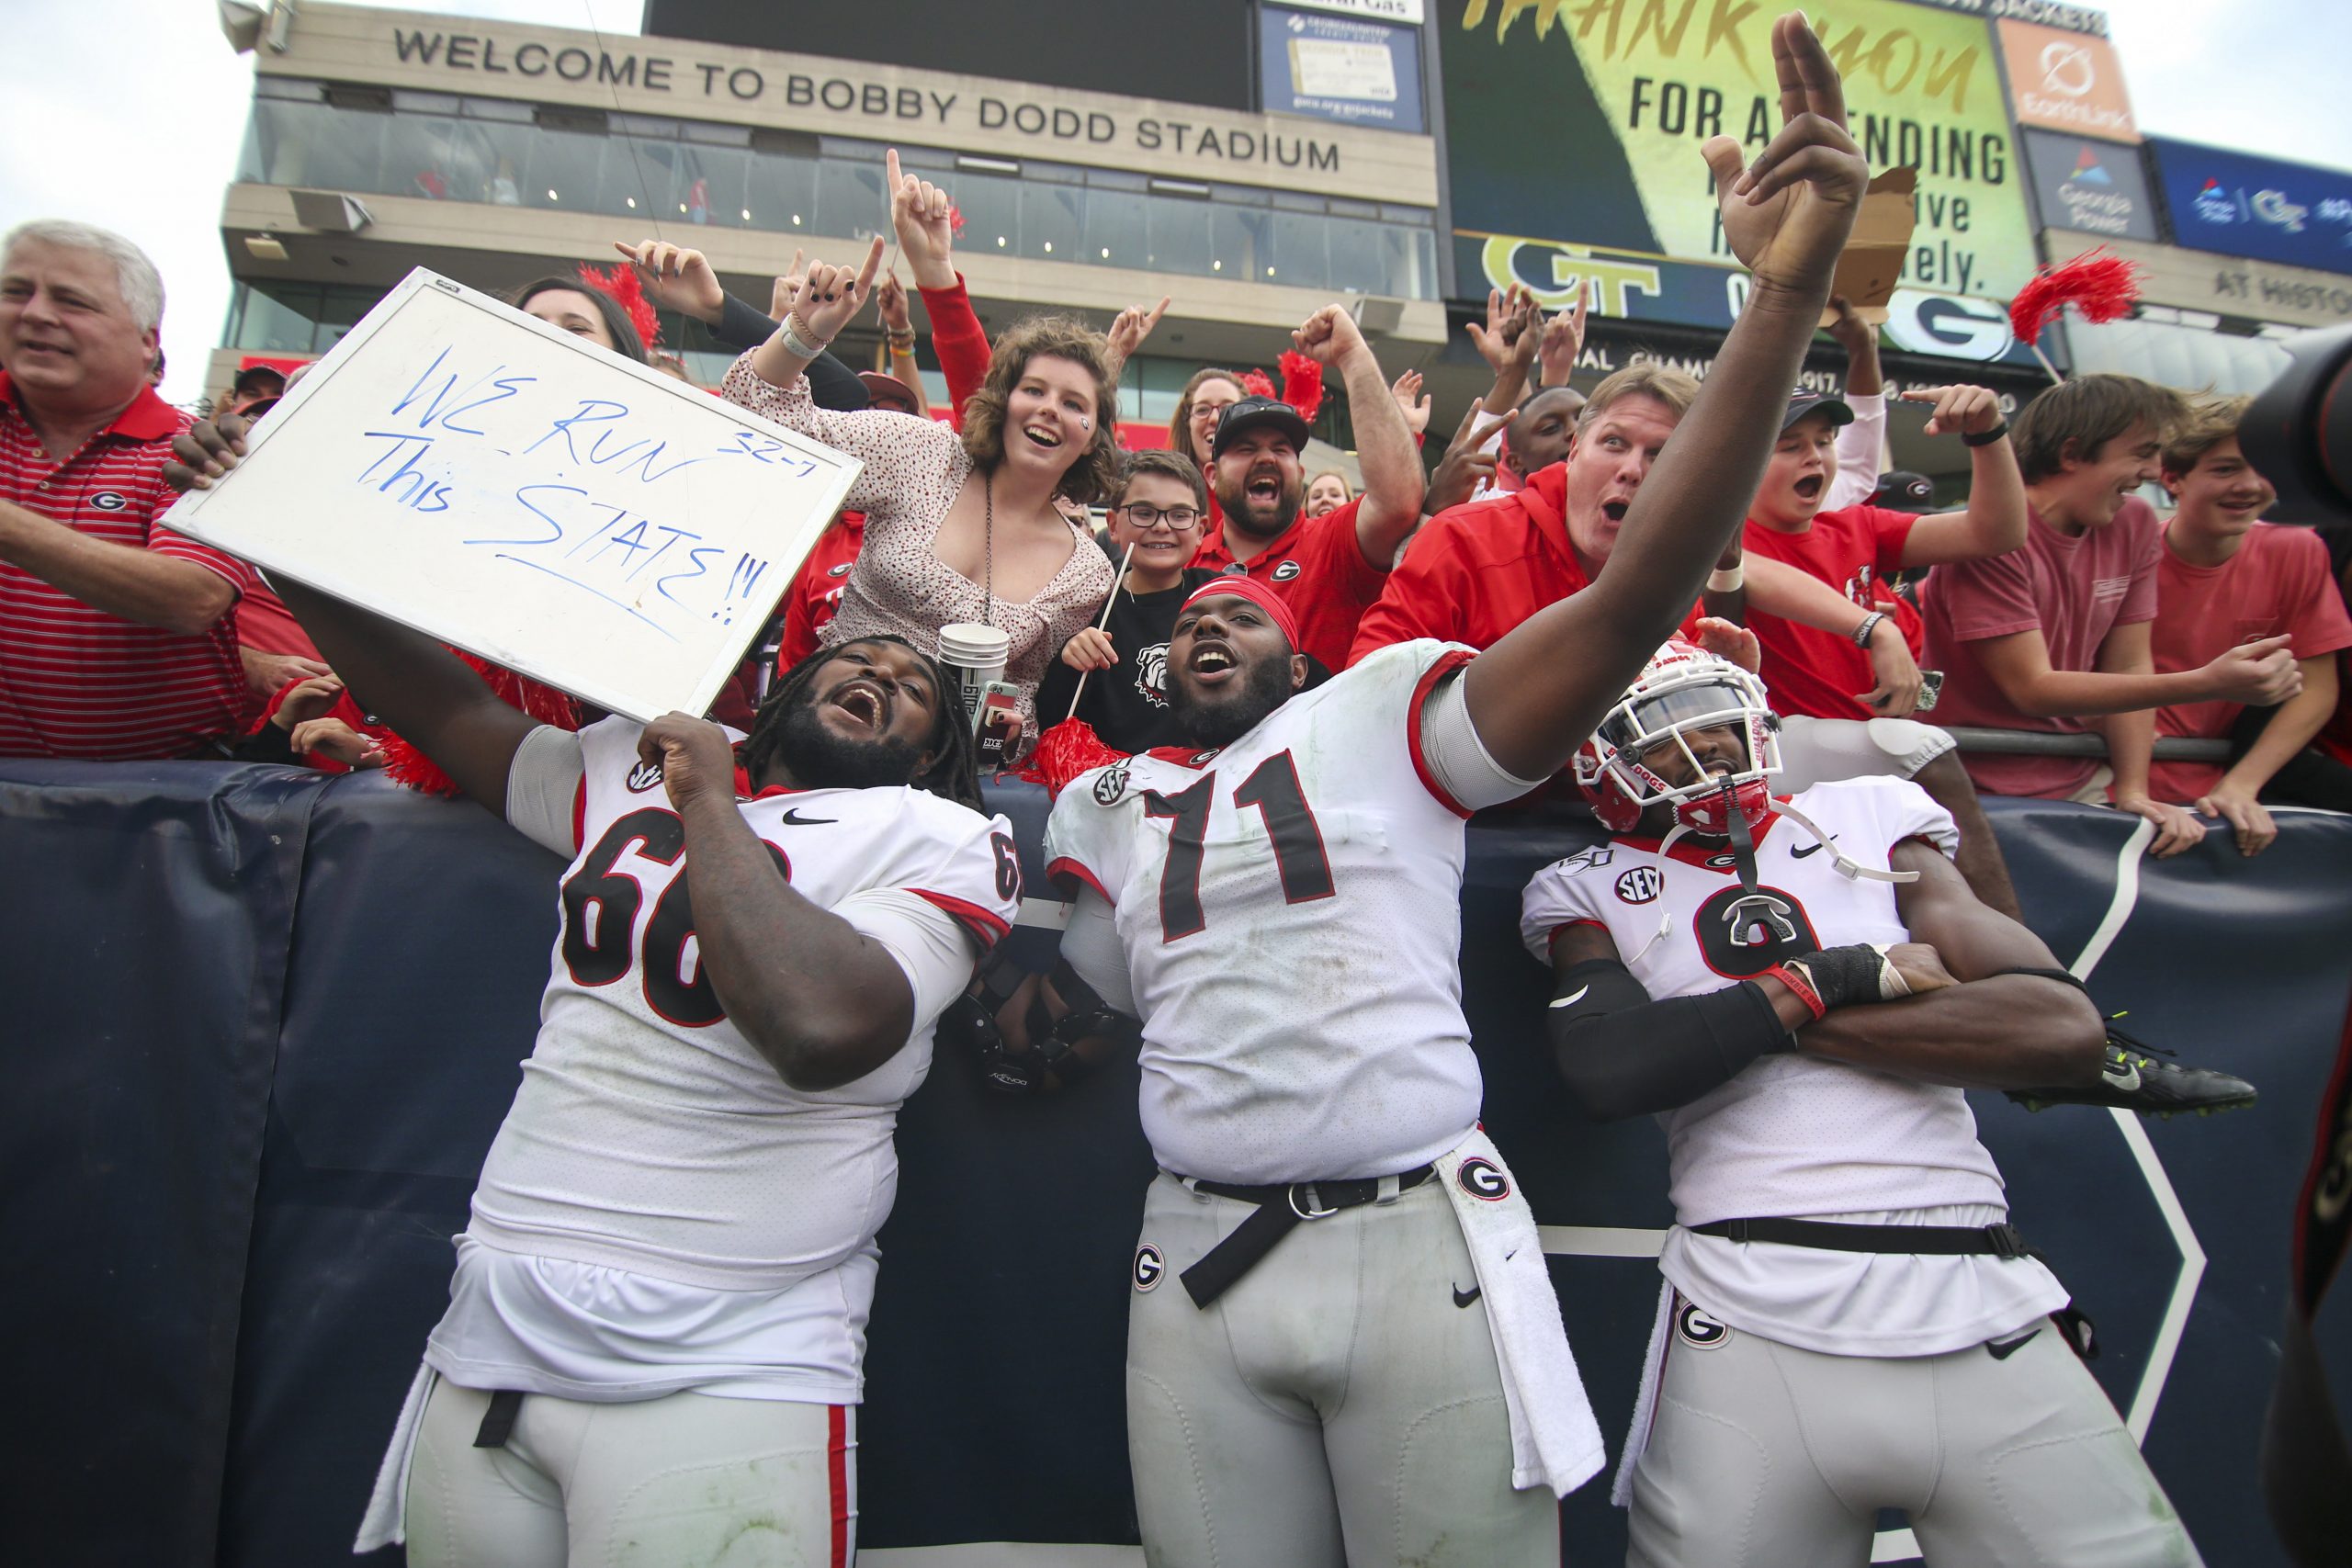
[1848,867]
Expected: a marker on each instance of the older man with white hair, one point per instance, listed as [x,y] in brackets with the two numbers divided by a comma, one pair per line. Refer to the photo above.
[117,638]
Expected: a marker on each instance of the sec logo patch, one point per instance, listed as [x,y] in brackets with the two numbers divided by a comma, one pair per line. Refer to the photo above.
[1641,885]
[1695,1328]
[1150,1267]
[1483,1180]
[1110,785]
[1287,571]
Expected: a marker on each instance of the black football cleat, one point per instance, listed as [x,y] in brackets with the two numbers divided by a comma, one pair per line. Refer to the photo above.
[2137,1078]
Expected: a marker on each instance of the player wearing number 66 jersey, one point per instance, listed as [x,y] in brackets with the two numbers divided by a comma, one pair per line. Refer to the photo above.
[1343,1345]
[656,1331]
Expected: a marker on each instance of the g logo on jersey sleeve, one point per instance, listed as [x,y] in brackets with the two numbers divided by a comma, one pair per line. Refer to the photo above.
[1742,933]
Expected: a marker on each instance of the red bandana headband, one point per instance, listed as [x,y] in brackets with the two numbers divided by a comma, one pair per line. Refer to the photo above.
[1258,593]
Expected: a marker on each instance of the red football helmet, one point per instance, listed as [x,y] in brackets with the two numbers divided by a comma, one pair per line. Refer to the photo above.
[1681,689]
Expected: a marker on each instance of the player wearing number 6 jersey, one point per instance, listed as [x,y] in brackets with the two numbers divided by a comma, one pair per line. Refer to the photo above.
[656,1331]
[1343,1345]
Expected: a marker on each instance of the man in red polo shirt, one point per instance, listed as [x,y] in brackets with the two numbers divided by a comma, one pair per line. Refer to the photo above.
[1480,569]
[1327,569]
[118,641]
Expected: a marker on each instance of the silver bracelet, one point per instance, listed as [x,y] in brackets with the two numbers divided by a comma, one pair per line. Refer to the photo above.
[1870,624]
[797,346]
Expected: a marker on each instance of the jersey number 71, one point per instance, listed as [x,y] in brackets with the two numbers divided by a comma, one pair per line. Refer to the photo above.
[1273,787]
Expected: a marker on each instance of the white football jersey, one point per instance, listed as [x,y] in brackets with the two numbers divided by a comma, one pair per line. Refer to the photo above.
[1791,1134]
[1290,910]
[648,1134]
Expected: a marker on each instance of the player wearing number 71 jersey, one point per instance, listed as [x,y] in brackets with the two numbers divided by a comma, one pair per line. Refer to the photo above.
[656,1331]
[1358,1358]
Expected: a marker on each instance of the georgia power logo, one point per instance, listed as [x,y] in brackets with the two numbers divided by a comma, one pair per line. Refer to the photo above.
[1640,884]
[1483,1180]
[1149,1269]
[643,777]
[110,501]
[1287,571]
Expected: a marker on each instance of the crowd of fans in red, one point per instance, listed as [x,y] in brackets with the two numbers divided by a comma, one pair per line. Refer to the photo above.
[2056,601]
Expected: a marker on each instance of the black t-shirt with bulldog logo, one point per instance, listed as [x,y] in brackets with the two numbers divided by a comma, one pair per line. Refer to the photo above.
[1127,704]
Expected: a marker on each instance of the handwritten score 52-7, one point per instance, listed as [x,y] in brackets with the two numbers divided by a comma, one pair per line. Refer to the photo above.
[526,495]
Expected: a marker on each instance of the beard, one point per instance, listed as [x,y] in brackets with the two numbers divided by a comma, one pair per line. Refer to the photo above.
[1211,723]
[1234,501]
[820,758]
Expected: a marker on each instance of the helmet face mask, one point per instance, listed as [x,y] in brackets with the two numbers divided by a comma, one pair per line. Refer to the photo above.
[1683,689]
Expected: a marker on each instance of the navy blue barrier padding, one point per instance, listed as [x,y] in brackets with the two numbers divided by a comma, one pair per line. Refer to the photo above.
[238,1141]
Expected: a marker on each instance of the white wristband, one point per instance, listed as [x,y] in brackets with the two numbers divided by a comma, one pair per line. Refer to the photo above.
[1727,580]
[795,344]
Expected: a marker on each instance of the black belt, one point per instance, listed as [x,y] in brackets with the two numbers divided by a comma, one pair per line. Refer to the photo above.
[2000,1241]
[1279,1209]
[498,1420]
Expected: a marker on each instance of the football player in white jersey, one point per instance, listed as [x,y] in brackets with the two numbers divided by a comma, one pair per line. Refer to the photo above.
[1343,1343]
[656,1331]
[1849,1323]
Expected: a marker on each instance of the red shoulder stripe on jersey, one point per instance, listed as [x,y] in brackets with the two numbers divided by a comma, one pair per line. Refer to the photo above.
[580,814]
[1063,869]
[837,1481]
[1190,757]
[1452,660]
[1552,936]
[985,925]
[1919,839]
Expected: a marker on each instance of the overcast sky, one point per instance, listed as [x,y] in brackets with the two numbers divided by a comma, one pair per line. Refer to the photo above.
[128,113]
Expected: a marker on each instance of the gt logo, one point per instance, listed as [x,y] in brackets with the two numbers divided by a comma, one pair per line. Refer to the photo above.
[1150,1267]
[1698,1330]
[644,776]
[1640,884]
[1287,571]
[110,501]
[1483,1180]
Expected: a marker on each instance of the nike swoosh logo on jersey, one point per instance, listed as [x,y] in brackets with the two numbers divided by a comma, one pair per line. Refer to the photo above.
[792,818]
[1809,849]
[1572,998]
[1462,1298]
[2003,1349]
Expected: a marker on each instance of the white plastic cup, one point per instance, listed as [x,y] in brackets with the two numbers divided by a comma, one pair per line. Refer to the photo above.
[975,656]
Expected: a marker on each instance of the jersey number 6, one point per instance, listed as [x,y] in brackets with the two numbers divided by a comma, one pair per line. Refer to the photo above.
[1273,788]
[599,909]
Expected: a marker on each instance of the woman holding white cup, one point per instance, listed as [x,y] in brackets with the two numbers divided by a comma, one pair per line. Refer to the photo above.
[961,530]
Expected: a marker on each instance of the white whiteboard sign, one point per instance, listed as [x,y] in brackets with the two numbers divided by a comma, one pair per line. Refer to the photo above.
[462,468]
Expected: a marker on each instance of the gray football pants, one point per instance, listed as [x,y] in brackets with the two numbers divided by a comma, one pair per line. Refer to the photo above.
[1333,1407]
[1766,1456]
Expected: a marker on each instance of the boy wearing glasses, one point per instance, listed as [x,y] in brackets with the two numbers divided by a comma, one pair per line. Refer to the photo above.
[1161,509]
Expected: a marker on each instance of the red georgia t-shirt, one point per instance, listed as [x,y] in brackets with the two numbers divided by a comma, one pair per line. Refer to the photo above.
[1318,568]
[1858,550]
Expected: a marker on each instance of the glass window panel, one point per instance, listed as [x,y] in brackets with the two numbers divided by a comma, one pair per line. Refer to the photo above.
[1296,256]
[850,201]
[992,207]
[1052,222]
[1117,230]
[1358,258]
[339,312]
[564,170]
[318,146]
[783,192]
[1176,235]
[1234,240]
[275,318]
[442,159]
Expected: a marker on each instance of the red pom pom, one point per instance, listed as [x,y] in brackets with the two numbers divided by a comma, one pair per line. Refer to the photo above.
[1302,383]
[955,220]
[404,764]
[619,285]
[1066,750]
[2098,283]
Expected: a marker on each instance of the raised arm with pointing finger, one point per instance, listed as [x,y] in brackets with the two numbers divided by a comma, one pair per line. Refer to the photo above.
[1536,694]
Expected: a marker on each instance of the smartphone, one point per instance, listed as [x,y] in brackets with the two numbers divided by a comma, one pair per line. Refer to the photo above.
[1931,686]
[998,736]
